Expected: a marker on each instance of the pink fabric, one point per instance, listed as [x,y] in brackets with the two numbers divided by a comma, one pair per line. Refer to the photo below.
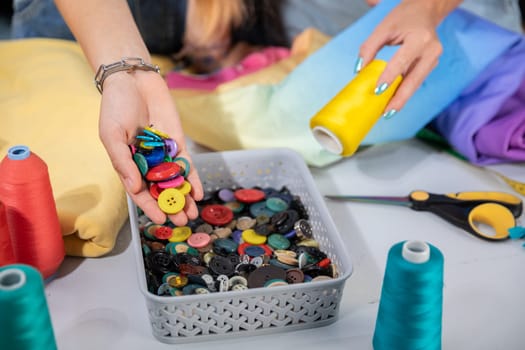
[250,64]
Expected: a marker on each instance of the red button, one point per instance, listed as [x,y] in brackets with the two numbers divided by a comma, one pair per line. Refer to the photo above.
[155,190]
[216,214]
[242,247]
[249,195]
[163,232]
[163,171]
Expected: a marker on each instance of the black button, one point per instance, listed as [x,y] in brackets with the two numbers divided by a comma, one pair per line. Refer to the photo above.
[245,269]
[259,277]
[284,224]
[264,229]
[186,259]
[220,265]
[160,262]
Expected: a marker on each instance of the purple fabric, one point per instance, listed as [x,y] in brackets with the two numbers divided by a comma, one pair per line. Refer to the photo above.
[504,136]
[486,123]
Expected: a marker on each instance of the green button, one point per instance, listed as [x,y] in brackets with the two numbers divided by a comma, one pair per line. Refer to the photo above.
[276,204]
[141,162]
[224,246]
[278,242]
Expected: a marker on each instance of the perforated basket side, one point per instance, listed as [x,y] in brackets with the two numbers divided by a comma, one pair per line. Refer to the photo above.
[245,314]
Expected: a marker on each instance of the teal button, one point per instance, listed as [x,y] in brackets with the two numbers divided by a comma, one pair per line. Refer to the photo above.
[276,204]
[278,242]
[183,163]
[224,246]
[260,208]
[141,162]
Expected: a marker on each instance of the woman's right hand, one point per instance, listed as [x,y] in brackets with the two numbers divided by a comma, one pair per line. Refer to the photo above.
[130,102]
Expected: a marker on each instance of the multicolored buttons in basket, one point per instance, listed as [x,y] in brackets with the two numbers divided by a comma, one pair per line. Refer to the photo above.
[243,238]
[156,157]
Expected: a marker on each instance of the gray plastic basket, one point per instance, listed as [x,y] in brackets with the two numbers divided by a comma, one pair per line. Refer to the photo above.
[190,318]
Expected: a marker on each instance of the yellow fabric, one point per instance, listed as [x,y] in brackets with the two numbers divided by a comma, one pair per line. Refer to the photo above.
[47,105]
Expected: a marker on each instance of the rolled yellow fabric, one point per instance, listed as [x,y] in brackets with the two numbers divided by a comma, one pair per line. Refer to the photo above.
[48,104]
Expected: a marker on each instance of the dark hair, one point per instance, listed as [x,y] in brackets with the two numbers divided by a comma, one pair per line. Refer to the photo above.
[263,24]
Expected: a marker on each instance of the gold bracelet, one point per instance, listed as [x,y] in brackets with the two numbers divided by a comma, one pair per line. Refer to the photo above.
[128,64]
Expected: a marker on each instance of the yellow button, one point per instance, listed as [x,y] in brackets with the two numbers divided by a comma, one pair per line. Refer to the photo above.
[180,234]
[308,243]
[178,281]
[171,201]
[156,132]
[251,237]
[143,145]
[185,188]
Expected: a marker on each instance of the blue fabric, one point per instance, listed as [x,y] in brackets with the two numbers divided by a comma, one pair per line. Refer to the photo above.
[470,44]
[161,23]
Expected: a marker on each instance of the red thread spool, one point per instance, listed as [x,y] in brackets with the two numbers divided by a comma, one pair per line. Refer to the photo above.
[7,256]
[30,211]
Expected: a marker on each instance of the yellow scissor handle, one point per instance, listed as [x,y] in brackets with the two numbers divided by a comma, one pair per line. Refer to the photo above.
[494,215]
[493,196]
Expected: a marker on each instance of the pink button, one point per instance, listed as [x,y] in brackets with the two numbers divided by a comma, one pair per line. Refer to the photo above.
[175,182]
[199,240]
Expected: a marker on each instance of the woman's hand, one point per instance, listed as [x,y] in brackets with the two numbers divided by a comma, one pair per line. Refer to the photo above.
[412,25]
[131,102]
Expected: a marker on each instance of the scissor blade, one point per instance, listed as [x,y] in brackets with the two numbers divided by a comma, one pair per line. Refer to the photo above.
[402,201]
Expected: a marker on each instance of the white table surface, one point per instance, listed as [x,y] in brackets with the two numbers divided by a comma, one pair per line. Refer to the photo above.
[96,303]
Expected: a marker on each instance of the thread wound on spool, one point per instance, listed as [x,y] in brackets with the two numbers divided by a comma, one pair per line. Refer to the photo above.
[30,212]
[410,309]
[25,322]
[7,255]
[351,114]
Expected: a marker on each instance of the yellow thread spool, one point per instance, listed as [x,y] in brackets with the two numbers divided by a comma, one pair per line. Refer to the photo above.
[343,123]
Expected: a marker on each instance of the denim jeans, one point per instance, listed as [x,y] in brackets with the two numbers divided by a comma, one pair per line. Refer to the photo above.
[161,22]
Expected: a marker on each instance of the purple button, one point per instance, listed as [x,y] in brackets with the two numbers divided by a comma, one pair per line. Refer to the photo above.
[226,195]
[171,147]
[237,236]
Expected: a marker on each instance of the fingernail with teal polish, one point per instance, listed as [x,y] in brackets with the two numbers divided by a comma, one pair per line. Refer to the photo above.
[389,114]
[358,65]
[381,88]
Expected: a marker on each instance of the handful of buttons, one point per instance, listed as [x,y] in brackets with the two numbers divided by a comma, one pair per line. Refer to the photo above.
[243,238]
[155,154]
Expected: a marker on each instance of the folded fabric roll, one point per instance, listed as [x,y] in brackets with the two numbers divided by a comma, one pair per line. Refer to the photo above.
[486,123]
[47,104]
[503,138]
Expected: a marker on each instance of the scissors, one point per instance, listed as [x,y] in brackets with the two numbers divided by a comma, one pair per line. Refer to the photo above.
[466,210]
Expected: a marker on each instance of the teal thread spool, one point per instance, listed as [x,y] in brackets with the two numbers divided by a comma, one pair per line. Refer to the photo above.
[410,309]
[25,323]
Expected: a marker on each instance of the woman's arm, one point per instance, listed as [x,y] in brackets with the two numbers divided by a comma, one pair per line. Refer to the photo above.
[107,32]
[105,29]
[412,25]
